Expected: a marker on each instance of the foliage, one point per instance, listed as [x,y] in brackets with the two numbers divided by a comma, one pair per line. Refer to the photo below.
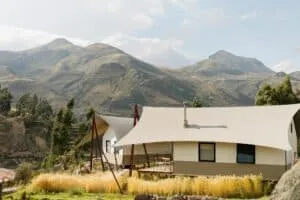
[280,95]
[61,133]
[70,195]
[34,109]
[196,103]
[5,100]
[90,114]
[24,173]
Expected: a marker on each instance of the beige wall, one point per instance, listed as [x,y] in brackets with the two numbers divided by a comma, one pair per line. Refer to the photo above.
[226,153]
[269,156]
[186,151]
[211,169]
[152,148]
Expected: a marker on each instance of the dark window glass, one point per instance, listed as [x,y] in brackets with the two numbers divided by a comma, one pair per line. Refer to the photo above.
[245,153]
[207,152]
[108,146]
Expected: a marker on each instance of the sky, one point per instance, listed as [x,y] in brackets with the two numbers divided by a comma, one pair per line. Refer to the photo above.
[168,33]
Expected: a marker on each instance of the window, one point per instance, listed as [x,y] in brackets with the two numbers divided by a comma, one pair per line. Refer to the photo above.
[291,128]
[207,152]
[245,153]
[108,146]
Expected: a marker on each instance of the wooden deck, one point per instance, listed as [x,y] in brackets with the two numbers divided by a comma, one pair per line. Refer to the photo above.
[160,169]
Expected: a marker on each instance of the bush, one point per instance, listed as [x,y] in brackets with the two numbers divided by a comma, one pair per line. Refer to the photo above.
[24,173]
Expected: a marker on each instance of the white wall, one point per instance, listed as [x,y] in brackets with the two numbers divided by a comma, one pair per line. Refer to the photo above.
[109,135]
[226,153]
[152,148]
[293,141]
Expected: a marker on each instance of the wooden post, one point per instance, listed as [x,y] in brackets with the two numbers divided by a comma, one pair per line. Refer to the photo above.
[131,160]
[91,153]
[112,171]
[99,147]
[1,188]
[147,156]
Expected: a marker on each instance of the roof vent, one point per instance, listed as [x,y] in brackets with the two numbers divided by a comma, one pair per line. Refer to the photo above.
[185,122]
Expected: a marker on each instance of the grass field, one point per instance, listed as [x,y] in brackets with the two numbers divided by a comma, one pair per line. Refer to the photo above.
[82,196]
[70,196]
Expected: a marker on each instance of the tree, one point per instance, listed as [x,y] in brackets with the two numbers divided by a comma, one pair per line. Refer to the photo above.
[280,95]
[5,100]
[62,129]
[33,108]
[196,103]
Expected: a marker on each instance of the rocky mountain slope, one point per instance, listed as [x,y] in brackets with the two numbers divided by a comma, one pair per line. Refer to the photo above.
[111,81]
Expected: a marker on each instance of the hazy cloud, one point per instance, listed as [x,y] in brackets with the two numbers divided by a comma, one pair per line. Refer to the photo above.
[285,66]
[162,52]
[16,39]
[250,15]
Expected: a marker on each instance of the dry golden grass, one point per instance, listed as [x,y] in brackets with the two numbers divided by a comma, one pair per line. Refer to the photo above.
[100,182]
[219,186]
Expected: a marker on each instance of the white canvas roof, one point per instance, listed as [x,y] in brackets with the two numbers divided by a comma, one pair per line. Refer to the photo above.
[119,125]
[257,125]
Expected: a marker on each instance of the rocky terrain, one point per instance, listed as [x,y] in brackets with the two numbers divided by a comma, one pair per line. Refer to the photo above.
[111,81]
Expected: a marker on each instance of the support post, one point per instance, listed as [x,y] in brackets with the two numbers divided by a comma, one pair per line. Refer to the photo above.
[135,118]
[147,156]
[1,188]
[99,148]
[91,153]
[131,160]
[112,171]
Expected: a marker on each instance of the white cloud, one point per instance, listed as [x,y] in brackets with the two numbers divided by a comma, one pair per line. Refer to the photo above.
[16,39]
[145,20]
[84,19]
[298,49]
[154,50]
[287,66]
[210,17]
[250,15]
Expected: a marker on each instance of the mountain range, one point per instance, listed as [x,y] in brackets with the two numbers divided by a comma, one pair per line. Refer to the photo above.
[111,81]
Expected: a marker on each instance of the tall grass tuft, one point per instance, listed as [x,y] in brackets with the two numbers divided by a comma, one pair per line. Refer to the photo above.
[219,186]
[101,182]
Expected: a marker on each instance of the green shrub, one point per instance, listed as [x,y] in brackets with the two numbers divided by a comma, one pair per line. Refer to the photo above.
[24,173]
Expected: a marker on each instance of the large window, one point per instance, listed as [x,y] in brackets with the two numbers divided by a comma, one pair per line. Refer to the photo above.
[207,152]
[108,146]
[245,153]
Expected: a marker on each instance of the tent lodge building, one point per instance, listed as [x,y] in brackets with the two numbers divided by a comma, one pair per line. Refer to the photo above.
[217,141]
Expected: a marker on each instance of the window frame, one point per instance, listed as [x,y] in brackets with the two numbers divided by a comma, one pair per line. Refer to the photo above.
[199,154]
[106,146]
[237,153]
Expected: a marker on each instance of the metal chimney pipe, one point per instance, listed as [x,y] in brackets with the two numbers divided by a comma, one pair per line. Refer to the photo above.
[185,122]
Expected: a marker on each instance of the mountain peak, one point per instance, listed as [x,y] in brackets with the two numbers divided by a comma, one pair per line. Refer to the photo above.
[57,44]
[221,53]
[60,41]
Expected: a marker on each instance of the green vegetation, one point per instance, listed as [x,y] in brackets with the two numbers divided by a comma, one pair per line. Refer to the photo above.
[24,173]
[5,100]
[72,195]
[280,95]
[196,103]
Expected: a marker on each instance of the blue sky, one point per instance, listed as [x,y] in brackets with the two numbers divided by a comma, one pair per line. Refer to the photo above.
[164,32]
